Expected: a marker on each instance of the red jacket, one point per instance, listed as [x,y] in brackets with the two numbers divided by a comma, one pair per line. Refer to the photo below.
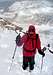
[29,47]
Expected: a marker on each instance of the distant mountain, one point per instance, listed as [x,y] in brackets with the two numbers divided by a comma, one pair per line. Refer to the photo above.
[24,11]
[38,12]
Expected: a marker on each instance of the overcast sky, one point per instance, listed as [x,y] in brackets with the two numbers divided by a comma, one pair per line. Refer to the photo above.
[18,0]
[6,3]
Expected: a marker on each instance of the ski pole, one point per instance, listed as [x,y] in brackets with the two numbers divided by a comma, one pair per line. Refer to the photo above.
[49,49]
[44,49]
[13,58]
[14,52]
[42,63]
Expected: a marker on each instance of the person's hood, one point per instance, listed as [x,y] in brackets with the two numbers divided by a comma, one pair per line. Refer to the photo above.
[31,28]
[31,32]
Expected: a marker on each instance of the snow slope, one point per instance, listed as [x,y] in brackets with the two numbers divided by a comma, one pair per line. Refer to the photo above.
[7,46]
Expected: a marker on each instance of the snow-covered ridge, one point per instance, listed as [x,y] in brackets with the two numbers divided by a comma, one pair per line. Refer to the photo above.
[10,25]
[38,12]
[22,12]
[25,12]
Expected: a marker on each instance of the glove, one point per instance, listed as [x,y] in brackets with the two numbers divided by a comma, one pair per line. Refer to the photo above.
[18,39]
[43,54]
[44,49]
[48,45]
[13,57]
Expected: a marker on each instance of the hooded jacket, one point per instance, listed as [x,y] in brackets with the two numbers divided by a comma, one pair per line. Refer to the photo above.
[30,42]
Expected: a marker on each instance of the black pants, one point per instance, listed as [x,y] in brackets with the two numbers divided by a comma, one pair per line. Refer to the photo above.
[28,61]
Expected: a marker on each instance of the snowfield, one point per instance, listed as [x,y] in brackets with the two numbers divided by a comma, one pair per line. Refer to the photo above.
[7,46]
[23,13]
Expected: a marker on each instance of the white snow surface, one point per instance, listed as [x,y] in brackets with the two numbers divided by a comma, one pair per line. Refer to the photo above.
[7,46]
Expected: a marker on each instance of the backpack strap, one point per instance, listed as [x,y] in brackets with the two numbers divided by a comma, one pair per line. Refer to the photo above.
[36,38]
